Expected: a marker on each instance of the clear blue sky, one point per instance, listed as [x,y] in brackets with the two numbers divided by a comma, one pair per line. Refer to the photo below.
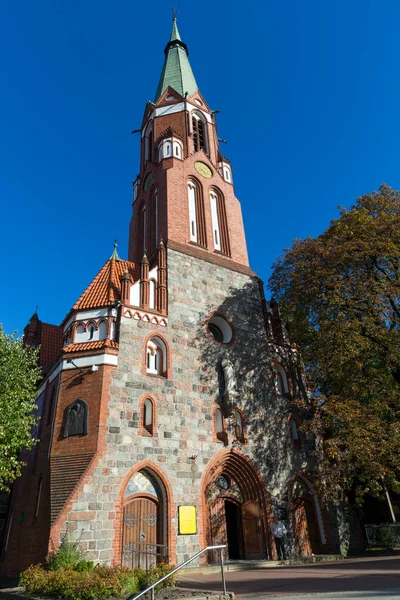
[309,97]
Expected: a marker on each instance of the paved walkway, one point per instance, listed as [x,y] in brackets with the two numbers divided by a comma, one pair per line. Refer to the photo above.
[365,578]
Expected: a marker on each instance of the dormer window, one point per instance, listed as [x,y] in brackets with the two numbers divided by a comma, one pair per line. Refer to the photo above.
[170,147]
[225,171]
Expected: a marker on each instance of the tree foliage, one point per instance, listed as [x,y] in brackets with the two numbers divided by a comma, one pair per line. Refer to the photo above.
[19,374]
[340,293]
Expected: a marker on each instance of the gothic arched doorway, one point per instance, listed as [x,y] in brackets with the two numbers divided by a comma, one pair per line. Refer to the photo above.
[143,528]
[236,507]
[306,519]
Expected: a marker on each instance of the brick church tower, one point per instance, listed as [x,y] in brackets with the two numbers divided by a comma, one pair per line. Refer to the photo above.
[167,417]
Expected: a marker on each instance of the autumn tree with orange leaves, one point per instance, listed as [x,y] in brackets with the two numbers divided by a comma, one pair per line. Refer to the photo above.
[340,294]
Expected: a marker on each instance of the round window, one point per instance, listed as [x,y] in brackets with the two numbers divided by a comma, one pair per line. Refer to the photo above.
[220,329]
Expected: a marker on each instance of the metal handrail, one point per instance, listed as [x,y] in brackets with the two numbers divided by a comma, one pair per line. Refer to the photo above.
[179,567]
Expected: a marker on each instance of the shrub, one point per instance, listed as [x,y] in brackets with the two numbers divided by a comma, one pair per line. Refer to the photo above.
[386,537]
[84,565]
[67,555]
[146,578]
[101,583]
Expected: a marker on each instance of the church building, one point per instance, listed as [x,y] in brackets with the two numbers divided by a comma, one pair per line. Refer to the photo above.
[167,406]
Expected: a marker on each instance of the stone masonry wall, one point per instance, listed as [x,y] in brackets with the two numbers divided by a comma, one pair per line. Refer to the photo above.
[184,405]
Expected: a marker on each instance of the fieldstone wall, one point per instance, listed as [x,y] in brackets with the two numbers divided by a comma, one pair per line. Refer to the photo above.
[184,405]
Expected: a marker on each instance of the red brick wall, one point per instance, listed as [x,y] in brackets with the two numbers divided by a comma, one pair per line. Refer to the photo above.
[29,534]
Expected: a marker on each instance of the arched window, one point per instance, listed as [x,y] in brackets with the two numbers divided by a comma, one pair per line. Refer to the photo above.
[156,357]
[239,426]
[76,421]
[148,416]
[169,148]
[219,222]
[153,293]
[91,331]
[148,143]
[103,330]
[199,125]
[281,382]
[197,231]
[220,426]
[152,228]
[80,334]
[177,150]
[296,440]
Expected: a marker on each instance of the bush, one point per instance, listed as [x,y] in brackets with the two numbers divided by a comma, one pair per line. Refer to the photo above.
[386,537]
[146,578]
[67,556]
[101,583]
[83,582]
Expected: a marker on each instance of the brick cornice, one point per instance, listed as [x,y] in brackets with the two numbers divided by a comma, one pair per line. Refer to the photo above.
[211,258]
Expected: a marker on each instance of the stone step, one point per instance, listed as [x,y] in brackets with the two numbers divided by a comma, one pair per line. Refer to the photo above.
[248,565]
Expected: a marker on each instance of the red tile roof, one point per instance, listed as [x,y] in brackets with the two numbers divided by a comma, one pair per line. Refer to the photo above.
[90,345]
[106,286]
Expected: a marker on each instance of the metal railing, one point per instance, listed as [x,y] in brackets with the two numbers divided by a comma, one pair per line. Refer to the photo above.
[134,550]
[383,536]
[178,568]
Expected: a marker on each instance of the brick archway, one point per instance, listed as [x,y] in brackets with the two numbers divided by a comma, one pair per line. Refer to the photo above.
[255,502]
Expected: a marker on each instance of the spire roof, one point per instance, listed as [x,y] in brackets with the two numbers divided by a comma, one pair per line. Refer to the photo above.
[177,72]
[106,286]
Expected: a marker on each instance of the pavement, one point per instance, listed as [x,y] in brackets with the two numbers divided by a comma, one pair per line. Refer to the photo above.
[352,579]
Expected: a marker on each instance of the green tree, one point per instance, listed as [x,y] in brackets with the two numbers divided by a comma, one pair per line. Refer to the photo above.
[19,374]
[340,294]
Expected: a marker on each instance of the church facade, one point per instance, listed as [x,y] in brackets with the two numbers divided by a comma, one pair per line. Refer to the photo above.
[167,414]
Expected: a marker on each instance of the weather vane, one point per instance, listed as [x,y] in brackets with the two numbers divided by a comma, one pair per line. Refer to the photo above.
[175,11]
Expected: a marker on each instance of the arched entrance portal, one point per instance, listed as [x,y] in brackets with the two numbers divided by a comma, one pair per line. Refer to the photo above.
[143,529]
[236,506]
[306,519]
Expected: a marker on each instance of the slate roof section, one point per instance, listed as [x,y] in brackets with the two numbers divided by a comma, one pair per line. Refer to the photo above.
[106,286]
[177,72]
[65,474]
[50,344]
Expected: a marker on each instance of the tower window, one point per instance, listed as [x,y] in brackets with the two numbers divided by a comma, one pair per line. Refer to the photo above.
[148,417]
[281,382]
[239,426]
[220,426]
[197,232]
[219,222]
[216,332]
[296,441]
[156,357]
[199,132]
[91,332]
[76,422]
[220,329]
[148,144]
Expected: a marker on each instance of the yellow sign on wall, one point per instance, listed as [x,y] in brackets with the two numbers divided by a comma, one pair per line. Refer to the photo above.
[187,520]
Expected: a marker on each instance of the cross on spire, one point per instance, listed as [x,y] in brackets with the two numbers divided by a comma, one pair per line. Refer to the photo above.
[175,11]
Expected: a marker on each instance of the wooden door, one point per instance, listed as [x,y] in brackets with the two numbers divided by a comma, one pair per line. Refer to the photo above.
[306,528]
[140,533]
[252,531]
[313,530]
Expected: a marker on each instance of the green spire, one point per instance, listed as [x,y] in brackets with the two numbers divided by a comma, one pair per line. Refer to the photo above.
[177,72]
